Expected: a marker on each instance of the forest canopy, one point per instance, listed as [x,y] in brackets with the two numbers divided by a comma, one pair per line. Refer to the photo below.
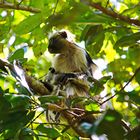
[108,30]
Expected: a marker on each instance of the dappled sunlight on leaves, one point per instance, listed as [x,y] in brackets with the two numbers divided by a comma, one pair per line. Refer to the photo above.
[109,31]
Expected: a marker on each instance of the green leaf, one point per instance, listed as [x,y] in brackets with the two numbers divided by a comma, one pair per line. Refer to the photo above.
[38,4]
[4,29]
[138,77]
[39,49]
[90,32]
[128,40]
[39,34]
[119,69]
[134,54]
[29,24]
[4,105]
[18,54]
[104,79]
[93,18]
[77,101]
[92,107]
[14,118]
[96,88]
[1,47]
[18,101]
[132,96]
[67,15]
[27,134]
[109,124]
[93,35]
[51,132]
[14,121]
[132,11]
[28,137]
[9,134]
[50,99]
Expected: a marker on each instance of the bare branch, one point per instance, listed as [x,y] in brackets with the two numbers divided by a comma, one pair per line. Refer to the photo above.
[7,5]
[112,13]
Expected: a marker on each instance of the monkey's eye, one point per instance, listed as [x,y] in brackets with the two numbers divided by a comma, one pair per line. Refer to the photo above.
[52,40]
[63,34]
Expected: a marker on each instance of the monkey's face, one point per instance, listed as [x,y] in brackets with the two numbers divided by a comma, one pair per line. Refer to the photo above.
[57,43]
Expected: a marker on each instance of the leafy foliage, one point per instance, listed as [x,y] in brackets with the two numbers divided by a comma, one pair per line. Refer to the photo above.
[110,31]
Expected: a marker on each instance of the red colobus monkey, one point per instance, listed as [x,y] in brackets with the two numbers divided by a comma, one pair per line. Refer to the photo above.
[72,63]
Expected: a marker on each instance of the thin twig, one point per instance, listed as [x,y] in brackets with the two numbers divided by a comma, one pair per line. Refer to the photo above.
[20,2]
[107,3]
[55,6]
[137,70]
[7,5]
[35,118]
[112,13]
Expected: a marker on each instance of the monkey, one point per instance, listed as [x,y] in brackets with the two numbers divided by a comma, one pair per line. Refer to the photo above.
[70,57]
[71,67]
[72,63]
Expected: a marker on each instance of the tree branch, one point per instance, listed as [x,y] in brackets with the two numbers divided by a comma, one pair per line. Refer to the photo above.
[112,13]
[38,87]
[70,117]
[33,83]
[7,5]
[137,70]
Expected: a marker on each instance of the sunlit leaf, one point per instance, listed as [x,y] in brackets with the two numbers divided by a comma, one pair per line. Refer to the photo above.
[131,11]
[92,107]
[3,31]
[109,31]
[50,132]
[18,54]
[67,15]
[29,24]
[128,40]
[39,50]
[39,4]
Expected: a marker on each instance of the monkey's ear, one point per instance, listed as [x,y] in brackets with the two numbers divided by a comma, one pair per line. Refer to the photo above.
[63,34]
